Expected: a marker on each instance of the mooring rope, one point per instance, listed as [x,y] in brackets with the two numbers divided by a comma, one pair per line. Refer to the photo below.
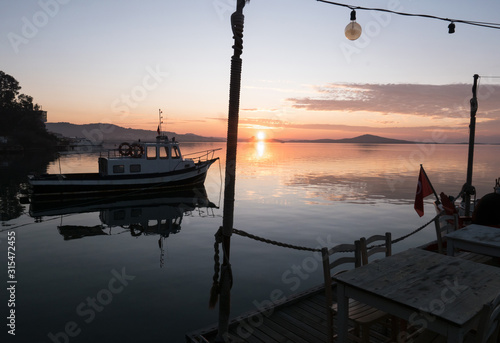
[296,247]
[269,241]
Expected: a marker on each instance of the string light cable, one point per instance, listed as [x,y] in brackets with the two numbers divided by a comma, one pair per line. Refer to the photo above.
[451,26]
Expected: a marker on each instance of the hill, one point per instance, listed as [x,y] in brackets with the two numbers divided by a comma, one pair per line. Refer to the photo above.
[363,139]
[99,133]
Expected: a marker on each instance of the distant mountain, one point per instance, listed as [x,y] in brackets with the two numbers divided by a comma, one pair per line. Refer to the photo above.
[99,133]
[254,139]
[363,139]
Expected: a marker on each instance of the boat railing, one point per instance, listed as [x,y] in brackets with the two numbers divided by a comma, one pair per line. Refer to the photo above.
[199,156]
[112,153]
[202,156]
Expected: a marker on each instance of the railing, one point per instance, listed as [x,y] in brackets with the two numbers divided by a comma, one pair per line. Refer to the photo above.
[111,153]
[202,156]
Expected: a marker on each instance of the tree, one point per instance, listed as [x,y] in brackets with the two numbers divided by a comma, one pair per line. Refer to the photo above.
[9,90]
[20,120]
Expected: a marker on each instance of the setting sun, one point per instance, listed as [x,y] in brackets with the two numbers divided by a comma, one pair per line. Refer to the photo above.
[261,135]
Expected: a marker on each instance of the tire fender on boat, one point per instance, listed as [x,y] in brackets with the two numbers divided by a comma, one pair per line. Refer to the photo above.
[136,150]
[136,230]
[125,149]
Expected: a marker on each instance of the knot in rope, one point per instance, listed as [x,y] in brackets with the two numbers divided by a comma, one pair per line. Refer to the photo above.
[215,290]
[237,23]
[226,276]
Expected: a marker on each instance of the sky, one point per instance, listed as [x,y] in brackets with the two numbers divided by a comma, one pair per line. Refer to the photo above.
[120,61]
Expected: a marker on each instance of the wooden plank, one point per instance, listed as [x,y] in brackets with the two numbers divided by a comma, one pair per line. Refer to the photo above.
[256,336]
[312,309]
[283,330]
[317,301]
[299,328]
[318,320]
[318,324]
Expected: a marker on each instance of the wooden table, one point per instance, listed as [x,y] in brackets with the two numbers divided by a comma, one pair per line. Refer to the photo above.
[438,292]
[479,239]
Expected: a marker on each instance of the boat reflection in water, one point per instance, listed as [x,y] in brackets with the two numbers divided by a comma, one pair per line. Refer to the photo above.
[138,213]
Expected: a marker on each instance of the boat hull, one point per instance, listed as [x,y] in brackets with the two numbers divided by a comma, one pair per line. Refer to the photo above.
[94,183]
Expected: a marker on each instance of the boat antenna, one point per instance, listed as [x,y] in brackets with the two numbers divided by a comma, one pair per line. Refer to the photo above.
[468,189]
[160,121]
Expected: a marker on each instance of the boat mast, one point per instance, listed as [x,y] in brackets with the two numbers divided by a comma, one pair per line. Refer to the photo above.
[468,189]
[160,121]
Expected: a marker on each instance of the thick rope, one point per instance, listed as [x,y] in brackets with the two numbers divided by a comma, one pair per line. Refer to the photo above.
[284,245]
[296,247]
[215,290]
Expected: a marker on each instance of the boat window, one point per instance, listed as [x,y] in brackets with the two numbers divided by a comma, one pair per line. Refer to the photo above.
[135,168]
[151,152]
[119,215]
[163,152]
[175,152]
[119,168]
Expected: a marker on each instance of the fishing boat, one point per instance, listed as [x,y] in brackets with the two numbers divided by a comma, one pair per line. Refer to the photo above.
[136,166]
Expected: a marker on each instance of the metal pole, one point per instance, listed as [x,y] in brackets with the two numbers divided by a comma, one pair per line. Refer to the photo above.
[237,21]
[468,188]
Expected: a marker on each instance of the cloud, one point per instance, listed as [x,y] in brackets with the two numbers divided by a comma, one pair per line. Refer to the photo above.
[436,101]
[283,124]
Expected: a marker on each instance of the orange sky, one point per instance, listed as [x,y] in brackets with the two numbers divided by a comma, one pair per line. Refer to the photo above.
[119,62]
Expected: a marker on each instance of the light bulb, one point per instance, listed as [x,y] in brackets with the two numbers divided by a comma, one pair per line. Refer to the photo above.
[353,30]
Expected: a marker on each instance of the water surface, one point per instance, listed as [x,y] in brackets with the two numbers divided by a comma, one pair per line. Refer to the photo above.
[84,276]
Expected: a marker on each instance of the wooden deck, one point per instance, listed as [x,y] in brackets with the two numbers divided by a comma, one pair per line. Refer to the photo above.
[300,319]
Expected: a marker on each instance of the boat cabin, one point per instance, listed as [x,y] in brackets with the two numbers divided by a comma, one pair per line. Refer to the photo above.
[144,158]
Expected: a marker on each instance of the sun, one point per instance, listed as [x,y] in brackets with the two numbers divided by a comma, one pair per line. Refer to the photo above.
[261,135]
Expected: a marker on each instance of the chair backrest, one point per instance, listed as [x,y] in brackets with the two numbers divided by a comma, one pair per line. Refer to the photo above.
[367,250]
[354,258]
[489,320]
[445,224]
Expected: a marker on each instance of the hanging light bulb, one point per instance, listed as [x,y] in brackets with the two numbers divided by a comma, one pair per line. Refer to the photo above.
[451,27]
[353,29]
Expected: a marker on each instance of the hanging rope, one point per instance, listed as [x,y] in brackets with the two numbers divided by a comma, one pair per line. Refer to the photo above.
[296,247]
[215,290]
[284,245]
[216,286]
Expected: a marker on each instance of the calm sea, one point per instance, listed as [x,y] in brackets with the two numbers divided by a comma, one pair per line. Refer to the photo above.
[89,275]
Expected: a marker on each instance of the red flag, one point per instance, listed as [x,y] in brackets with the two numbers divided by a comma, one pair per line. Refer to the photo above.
[158,130]
[424,188]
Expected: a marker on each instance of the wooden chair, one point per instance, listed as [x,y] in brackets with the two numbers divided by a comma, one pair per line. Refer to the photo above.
[385,247]
[487,330]
[361,314]
[354,259]
[444,224]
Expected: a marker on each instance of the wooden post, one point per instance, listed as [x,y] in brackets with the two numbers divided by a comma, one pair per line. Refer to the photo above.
[468,189]
[237,21]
